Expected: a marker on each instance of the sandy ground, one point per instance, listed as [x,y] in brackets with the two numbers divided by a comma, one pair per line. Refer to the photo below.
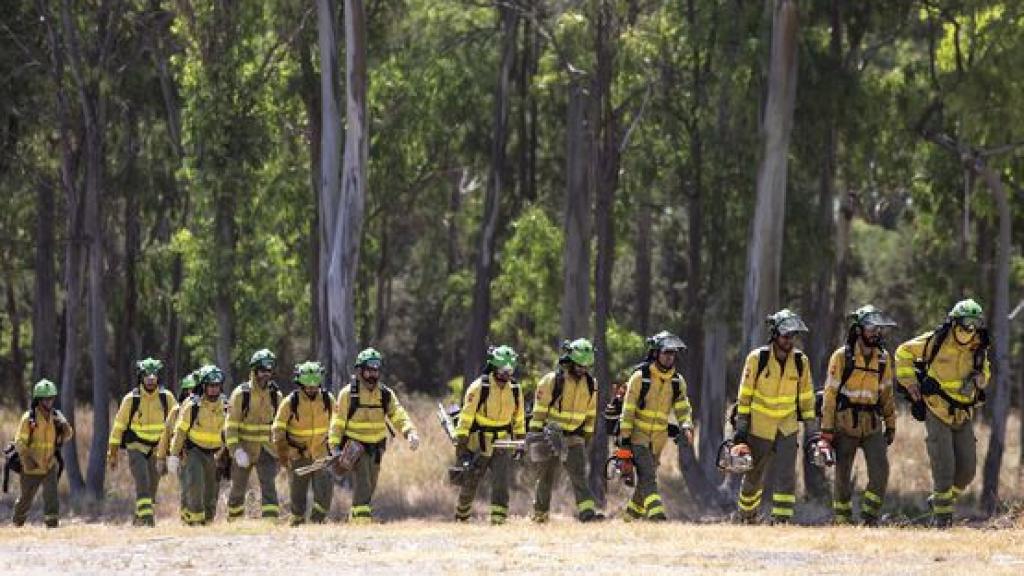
[563,546]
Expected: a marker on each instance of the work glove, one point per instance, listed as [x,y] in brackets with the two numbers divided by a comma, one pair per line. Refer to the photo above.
[112,457]
[414,441]
[241,458]
[173,464]
[161,466]
[890,436]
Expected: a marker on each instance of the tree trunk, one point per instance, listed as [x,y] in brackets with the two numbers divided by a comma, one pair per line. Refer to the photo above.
[643,225]
[72,248]
[342,272]
[576,280]
[312,101]
[128,345]
[44,307]
[713,397]
[1000,402]
[330,169]
[224,271]
[17,354]
[91,101]
[480,314]
[764,253]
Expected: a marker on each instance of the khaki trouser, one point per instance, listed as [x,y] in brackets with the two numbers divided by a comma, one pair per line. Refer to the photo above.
[364,482]
[30,484]
[299,487]
[646,501]
[576,467]
[953,456]
[266,471]
[200,487]
[499,464]
[147,480]
[782,452]
[877,460]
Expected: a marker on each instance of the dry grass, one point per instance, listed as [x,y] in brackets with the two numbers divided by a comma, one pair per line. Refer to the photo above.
[442,548]
[413,485]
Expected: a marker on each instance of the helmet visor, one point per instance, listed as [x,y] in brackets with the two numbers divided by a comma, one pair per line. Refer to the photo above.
[671,344]
[877,319]
[792,326]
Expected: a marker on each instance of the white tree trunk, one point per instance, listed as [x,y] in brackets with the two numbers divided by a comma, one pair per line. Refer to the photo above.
[764,253]
[330,168]
[348,221]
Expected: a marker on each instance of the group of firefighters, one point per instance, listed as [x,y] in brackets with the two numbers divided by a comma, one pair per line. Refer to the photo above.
[943,373]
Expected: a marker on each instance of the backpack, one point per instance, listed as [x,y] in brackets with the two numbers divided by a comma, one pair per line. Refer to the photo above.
[386,396]
[485,392]
[559,388]
[136,396]
[922,366]
[849,367]
[645,386]
[275,398]
[293,399]
[763,356]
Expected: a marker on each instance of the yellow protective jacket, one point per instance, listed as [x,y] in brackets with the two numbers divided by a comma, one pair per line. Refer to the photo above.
[147,423]
[498,416]
[206,432]
[777,398]
[251,430]
[301,426]
[39,432]
[165,437]
[953,363]
[368,423]
[868,390]
[575,408]
[645,418]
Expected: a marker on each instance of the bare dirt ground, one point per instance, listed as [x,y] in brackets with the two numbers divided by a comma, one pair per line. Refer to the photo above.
[561,547]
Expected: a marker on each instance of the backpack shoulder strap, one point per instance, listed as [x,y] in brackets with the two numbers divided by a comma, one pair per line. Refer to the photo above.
[515,394]
[136,400]
[763,355]
[677,387]
[275,396]
[164,402]
[485,391]
[386,397]
[293,399]
[353,399]
[849,365]
[195,412]
[800,361]
[935,341]
[645,385]
[246,389]
[325,397]
[591,385]
[557,389]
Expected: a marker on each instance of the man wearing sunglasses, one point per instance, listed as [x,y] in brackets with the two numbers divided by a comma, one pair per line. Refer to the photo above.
[947,371]
[858,412]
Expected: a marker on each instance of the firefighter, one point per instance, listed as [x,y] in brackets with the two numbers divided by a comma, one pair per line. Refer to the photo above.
[188,390]
[363,412]
[775,395]
[299,435]
[252,409]
[859,412]
[945,372]
[654,391]
[138,426]
[493,410]
[198,437]
[567,399]
[41,432]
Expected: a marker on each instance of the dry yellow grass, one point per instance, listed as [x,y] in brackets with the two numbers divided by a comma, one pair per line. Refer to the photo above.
[424,547]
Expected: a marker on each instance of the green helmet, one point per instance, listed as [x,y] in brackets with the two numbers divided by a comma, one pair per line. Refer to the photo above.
[148,366]
[44,389]
[868,315]
[785,322]
[501,357]
[369,358]
[968,313]
[309,374]
[665,341]
[210,374]
[189,381]
[263,359]
[579,351]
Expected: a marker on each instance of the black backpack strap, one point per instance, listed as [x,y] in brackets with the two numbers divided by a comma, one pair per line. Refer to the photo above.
[386,397]
[325,397]
[293,399]
[195,412]
[353,399]
[645,386]
[275,396]
[558,389]
[591,385]
[677,387]
[800,362]
[136,400]
[246,399]
[164,402]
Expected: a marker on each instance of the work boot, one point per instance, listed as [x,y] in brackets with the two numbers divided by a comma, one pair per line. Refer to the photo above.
[658,517]
[941,521]
[539,517]
[296,521]
[870,521]
[594,517]
[52,523]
